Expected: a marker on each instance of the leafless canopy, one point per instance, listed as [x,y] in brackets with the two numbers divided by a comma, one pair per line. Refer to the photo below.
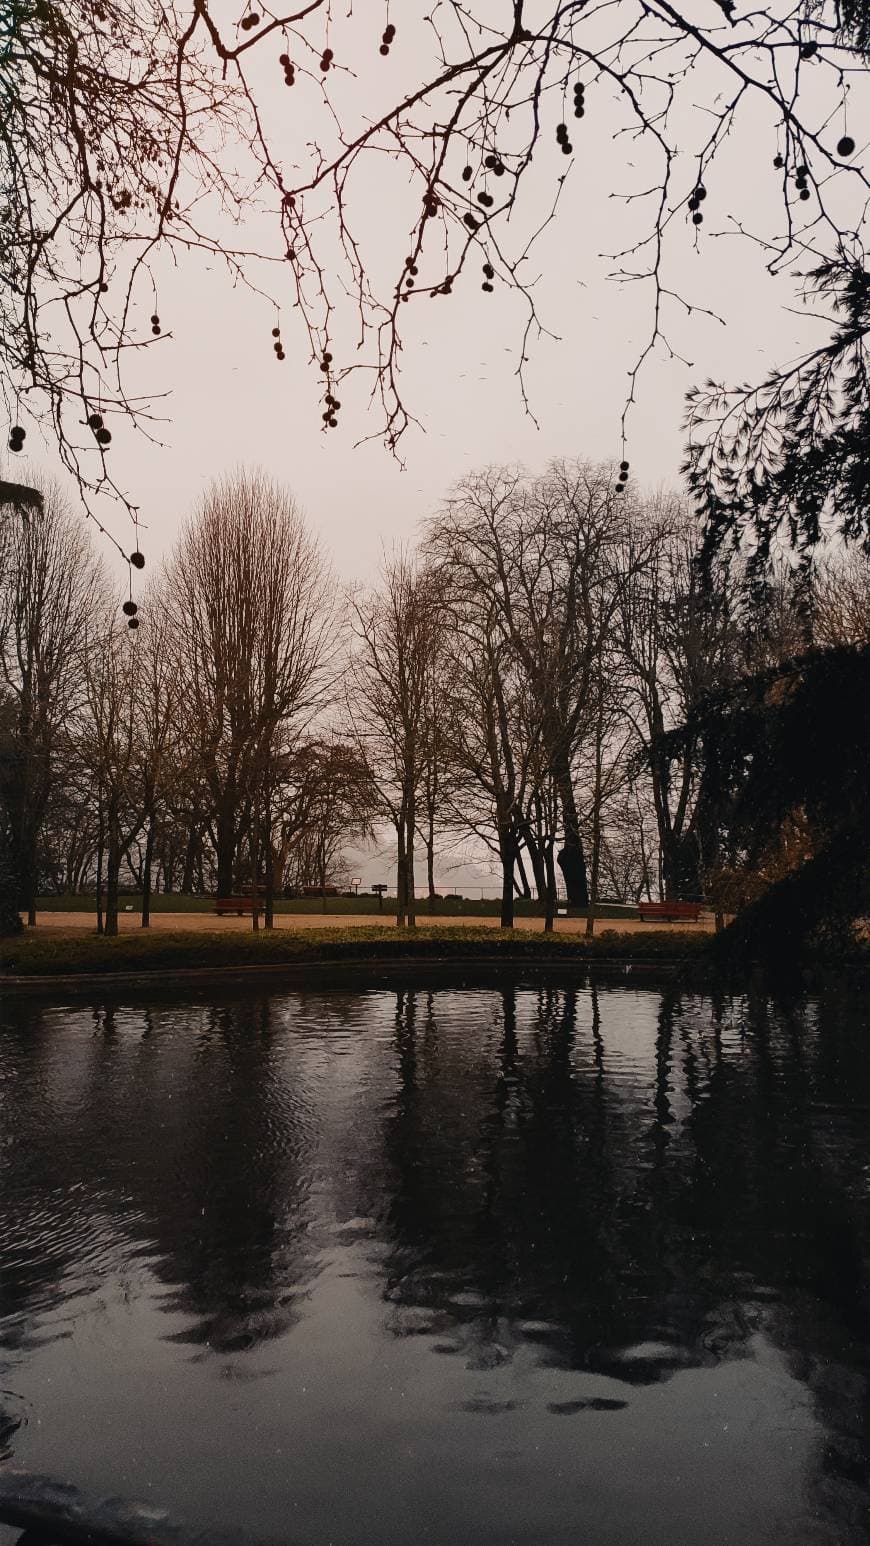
[134,128]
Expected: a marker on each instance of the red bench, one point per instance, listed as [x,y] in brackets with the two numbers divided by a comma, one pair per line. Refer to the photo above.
[669,912]
[235,904]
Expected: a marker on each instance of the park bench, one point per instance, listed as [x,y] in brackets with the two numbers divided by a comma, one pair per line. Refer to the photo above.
[234,904]
[669,912]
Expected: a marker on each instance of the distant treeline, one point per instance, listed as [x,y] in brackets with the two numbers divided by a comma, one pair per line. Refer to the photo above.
[530,680]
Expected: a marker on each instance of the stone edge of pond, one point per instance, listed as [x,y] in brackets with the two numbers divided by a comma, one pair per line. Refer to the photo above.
[362,968]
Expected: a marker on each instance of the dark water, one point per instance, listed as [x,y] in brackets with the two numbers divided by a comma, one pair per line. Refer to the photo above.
[534,1264]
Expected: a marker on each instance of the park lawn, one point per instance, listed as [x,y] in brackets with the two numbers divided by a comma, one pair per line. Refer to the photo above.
[32,954]
[365,903]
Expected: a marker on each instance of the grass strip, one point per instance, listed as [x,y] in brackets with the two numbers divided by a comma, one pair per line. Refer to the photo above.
[32,954]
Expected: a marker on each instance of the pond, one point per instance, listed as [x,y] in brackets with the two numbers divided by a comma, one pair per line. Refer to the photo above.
[519,1260]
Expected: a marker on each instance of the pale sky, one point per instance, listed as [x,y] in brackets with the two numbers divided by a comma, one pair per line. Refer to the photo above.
[230,402]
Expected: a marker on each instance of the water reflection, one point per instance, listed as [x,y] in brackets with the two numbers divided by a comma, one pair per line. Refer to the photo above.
[386,1235]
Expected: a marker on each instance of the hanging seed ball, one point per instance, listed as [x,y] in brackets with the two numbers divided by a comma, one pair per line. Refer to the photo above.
[619,488]
[697,218]
[326,60]
[700,193]
[409,284]
[491,163]
[467,174]
[412,269]
[290,78]
[623,477]
[95,421]
[579,111]
[778,162]
[103,437]
[130,608]
[486,199]
[567,148]
[805,193]
[470,222]
[389,33]
[155,319]
[285,60]
[384,49]
[498,169]
[137,559]
[561,132]
[623,466]
[327,357]
[846,146]
[487,286]
[280,355]
[692,203]
[802,173]
[276,332]
[489,271]
[808,49]
[156,329]
[132,622]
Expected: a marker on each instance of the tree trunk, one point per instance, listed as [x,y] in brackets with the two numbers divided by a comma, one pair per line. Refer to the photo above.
[187,874]
[269,914]
[596,835]
[401,875]
[430,860]
[524,889]
[549,890]
[255,876]
[507,851]
[534,850]
[572,862]
[101,843]
[409,861]
[146,873]
[113,870]
[10,920]
[225,852]
[29,879]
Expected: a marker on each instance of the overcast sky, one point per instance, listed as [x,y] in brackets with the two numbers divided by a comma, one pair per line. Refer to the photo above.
[230,402]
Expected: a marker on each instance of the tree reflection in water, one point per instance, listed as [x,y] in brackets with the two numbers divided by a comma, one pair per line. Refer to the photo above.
[617,1184]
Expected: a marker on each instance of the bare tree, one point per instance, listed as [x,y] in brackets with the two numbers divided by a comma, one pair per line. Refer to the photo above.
[48,588]
[133,128]
[335,807]
[539,560]
[397,641]
[680,639]
[252,630]
[841,600]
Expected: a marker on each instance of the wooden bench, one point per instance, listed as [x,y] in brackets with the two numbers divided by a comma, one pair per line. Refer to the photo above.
[669,912]
[235,904]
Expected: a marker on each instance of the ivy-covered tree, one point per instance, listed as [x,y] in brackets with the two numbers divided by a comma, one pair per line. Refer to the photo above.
[792,744]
